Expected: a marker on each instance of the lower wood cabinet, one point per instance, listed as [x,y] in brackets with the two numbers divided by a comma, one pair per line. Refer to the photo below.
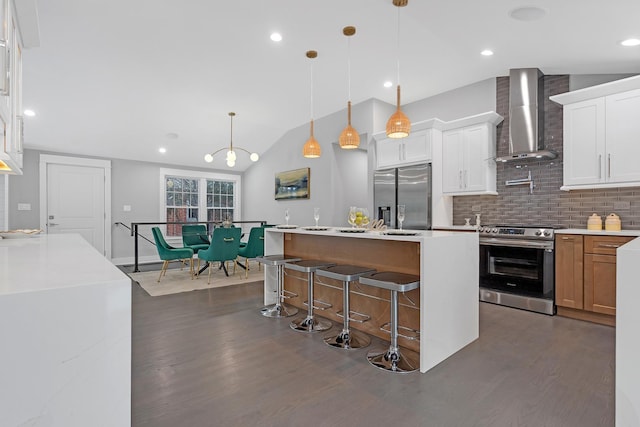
[569,271]
[586,276]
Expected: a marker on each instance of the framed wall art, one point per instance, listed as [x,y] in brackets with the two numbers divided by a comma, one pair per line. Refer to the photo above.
[294,184]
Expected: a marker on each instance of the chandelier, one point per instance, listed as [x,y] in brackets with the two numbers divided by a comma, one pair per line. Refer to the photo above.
[231,153]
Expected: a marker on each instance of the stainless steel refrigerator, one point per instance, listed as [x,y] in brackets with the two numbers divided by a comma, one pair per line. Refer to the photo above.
[409,186]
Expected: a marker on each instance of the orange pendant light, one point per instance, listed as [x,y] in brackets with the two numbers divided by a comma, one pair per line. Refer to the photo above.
[311,149]
[398,125]
[349,137]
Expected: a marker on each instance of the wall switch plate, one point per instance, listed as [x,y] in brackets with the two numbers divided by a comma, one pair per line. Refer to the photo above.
[24,206]
[476,208]
[126,208]
[620,206]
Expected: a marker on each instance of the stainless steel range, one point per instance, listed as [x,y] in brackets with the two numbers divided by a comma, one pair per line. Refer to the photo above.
[517,267]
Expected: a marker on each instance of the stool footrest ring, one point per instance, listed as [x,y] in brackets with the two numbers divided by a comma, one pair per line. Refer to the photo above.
[318,304]
[288,294]
[354,316]
[414,334]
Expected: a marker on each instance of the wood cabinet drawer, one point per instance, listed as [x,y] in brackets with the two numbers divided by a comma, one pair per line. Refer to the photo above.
[604,245]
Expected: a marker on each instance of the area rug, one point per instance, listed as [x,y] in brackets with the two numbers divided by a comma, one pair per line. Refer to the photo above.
[177,280]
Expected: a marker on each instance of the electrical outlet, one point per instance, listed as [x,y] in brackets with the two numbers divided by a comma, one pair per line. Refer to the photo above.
[126,208]
[24,206]
[476,208]
[621,206]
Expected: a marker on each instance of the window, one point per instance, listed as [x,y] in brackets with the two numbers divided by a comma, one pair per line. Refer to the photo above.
[190,196]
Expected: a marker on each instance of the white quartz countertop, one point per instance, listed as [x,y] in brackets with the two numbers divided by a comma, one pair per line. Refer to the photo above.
[369,234]
[50,262]
[598,232]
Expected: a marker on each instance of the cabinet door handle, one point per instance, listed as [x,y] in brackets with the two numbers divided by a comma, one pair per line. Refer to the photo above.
[465,181]
[609,165]
[460,179]
[600,166]
[565,238]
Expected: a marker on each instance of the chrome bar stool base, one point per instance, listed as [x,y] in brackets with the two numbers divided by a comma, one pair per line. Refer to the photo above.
[309,323]
[348,340]
[395,361]
[392,360]
[279,310]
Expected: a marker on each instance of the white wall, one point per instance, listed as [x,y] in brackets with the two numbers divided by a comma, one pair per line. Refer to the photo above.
[331,187]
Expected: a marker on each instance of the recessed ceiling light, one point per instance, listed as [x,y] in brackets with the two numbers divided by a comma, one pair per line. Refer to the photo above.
[276,37]
[388,84]
[29,113]
[162,150]
[627,42]
[527,13]
[486,52]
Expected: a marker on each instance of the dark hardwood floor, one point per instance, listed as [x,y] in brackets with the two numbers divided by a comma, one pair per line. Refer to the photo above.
[208,358]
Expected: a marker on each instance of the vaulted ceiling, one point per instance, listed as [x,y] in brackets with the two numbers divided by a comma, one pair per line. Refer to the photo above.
[123,78]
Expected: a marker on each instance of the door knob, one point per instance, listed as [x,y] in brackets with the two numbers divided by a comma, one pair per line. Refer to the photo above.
[51,224]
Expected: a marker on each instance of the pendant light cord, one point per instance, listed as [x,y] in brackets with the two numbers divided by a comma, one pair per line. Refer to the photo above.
[231,134]
[311,104]
[349,67]
[398,47]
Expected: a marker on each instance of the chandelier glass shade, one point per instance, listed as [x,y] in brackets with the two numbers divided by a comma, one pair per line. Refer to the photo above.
[349,137]
[231,150]
[398,125]
[311,148]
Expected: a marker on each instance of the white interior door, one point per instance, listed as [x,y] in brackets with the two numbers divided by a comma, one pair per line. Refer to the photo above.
[76,202]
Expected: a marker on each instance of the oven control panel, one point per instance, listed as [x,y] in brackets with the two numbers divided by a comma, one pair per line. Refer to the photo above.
[518,232]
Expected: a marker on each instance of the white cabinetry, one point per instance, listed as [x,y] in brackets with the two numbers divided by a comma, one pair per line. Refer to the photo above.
[416,148]
[601,134]
[468,155]
[10,89]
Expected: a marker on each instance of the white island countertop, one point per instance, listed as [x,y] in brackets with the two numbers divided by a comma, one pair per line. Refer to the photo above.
[65,329]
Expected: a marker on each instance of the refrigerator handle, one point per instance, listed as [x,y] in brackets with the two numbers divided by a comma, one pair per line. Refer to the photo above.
[460,178]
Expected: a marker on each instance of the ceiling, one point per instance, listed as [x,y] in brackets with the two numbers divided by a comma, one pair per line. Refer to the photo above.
[122,78]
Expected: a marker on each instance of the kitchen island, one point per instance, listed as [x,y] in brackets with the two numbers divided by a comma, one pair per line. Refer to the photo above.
[444,309]
[65,334]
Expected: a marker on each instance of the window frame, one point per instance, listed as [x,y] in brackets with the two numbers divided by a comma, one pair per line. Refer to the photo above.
[202,177]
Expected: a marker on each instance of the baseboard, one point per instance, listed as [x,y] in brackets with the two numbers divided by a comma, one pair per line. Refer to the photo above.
[589,316]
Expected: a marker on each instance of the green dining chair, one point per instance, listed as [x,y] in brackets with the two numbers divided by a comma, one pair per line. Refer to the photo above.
[225,243]
[168,253]
[253,248]
[195,236]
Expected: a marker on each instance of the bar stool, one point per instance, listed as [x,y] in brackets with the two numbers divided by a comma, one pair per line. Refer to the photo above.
[310,323]
[280,309]
[391,359]
[346,339]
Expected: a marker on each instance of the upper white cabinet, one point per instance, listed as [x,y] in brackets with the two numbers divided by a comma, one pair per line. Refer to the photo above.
[11,123]
[468,155]
[601,134]
[415,148]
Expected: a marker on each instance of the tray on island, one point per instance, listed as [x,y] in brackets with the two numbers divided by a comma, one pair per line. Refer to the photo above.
[314,228]
[352,230]
[286,226]
[400,233]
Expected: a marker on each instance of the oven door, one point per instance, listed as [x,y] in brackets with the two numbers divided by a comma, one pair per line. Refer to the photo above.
[523,268]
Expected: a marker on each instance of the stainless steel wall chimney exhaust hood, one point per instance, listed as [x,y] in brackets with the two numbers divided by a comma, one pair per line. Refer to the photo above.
[526,116]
